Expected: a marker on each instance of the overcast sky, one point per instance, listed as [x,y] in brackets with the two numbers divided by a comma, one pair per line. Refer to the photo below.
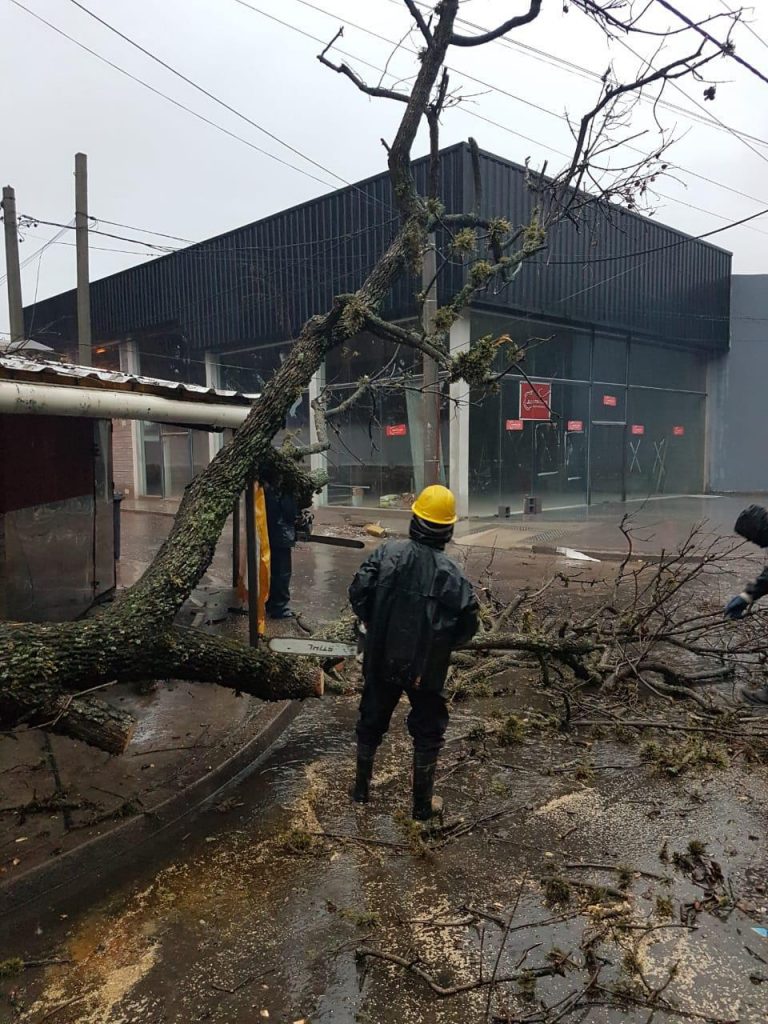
[158,168]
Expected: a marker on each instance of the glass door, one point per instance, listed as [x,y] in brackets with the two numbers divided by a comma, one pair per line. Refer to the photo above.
[607,462]
[607,450]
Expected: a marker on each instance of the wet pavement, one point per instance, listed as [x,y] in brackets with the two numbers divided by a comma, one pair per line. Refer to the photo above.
[262,912]
[557,870]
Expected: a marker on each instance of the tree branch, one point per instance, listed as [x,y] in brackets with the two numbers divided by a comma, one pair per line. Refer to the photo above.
[488,37]
[418,17]
[345,69]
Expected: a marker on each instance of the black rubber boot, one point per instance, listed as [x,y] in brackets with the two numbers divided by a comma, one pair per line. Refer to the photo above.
[361,789]
[757,697]
[426,807]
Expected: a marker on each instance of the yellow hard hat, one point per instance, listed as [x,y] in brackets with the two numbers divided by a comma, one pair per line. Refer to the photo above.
[436,504]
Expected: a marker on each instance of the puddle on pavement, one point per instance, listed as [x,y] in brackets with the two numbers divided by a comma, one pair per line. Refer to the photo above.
[254,912]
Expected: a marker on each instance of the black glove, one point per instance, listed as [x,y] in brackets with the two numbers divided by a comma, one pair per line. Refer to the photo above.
[736,607]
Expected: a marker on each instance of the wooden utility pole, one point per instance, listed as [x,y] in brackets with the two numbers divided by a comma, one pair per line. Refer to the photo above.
[12,268]
[431,392]
[83,276]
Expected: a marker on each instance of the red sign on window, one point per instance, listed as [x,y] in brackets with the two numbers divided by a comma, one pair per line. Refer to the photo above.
[638,429]
[535,401]
[396,430]
[610,400]
[515,424]
[678,431]
[575,426]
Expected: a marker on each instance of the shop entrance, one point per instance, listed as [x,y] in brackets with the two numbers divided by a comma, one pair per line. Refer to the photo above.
[607,463]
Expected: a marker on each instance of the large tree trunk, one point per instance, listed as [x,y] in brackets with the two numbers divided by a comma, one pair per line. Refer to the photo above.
[42,666]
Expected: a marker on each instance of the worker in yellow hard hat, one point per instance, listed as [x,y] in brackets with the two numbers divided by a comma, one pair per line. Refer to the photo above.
[416,606]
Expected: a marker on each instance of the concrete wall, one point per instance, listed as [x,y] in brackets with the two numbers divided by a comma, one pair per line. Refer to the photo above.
[738,390]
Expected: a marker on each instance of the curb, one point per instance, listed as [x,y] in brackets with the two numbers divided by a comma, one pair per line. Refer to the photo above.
[610,556]
[41,889]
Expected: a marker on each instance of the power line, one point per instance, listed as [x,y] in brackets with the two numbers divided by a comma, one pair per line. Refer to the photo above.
[28,259]
[706,117]
[195,247]
[724,49]
[210,95]
[519,99]
[170,99]
[146,231]
[746,24]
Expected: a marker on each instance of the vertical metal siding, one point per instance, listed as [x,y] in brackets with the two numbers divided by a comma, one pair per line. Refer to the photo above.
[261,282]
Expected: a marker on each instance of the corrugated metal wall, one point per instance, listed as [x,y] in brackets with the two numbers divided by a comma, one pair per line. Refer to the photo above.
[261,282]
[604,274]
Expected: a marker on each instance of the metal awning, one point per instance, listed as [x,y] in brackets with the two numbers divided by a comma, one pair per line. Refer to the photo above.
[45,388]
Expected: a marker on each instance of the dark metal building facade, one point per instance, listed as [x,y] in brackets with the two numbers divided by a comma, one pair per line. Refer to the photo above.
[631,311]
[260,282]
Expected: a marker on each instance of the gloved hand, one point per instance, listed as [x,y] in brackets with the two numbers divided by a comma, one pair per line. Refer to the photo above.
[736,607]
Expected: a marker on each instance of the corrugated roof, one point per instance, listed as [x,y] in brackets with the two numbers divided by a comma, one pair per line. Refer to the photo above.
[44,371]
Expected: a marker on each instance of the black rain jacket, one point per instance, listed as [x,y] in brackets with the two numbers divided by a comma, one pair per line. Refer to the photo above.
[417,606]
[282,511]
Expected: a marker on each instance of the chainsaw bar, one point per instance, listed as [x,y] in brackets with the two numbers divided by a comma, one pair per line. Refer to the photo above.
[312,648]
[339,542]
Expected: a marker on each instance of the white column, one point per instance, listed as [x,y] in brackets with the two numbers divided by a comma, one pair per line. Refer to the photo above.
[458,422]
[129,363]
[212,379]
[318,462]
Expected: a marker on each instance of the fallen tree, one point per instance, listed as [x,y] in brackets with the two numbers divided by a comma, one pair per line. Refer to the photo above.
[50,673]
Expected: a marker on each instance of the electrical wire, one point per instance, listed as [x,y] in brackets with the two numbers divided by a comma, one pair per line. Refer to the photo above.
[212,96]
[146,231]
[706,119]
[746,25]
[170,99]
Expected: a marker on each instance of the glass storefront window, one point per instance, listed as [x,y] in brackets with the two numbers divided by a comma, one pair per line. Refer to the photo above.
[376,456]
[512,457]
[550,350]
[168,358]
[665,443]
[248,371]
[610,359]
[367,355]
[657,366]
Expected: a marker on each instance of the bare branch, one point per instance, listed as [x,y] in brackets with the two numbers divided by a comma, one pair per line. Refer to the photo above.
[487,37]
[727,48]
[418,17]
[345,69]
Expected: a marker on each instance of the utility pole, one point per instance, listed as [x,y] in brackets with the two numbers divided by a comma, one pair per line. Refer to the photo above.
[12,267]
[431,392]
[83,277]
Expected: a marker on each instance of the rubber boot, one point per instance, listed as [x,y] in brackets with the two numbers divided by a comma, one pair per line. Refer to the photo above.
[426,807]
[361,789]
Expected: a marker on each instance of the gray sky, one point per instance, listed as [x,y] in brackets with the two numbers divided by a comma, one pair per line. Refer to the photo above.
[154,166]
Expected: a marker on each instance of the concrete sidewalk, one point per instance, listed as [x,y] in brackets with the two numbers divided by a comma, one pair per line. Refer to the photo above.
[657,524]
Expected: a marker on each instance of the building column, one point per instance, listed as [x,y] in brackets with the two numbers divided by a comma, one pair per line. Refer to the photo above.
[212,379]
[458,423]
[317,462]
[129,363]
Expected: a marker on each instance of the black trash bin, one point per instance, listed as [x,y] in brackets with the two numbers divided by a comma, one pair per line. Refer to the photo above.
[117,497]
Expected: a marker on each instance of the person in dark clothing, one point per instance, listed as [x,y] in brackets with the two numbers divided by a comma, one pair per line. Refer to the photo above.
[735,608]
[282,511]
[416,606]
[752,524]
